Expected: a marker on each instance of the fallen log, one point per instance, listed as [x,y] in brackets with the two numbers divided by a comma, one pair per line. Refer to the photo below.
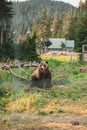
[13,73]
[20,66]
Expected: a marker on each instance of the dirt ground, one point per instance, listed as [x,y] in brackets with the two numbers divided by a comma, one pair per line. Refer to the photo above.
[22,121]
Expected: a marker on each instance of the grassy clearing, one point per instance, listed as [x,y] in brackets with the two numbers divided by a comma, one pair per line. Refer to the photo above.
[43,107]
[69,90]
[54,101]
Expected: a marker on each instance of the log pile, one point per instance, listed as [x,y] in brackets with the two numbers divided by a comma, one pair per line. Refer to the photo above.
[21,65]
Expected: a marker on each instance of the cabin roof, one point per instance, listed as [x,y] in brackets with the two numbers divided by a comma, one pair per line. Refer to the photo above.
[56,43]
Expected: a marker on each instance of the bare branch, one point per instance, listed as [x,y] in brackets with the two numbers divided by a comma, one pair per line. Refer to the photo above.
[9,67]
[23,70]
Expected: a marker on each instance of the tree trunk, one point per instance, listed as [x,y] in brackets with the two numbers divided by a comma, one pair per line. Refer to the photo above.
[1,38]
[1,31]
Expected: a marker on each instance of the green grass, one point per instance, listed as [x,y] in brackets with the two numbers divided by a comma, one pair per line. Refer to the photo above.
[70,89]
[60,111]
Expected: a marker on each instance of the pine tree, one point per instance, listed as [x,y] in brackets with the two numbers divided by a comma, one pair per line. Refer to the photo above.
[81,33]
[44,26]
[66,22]
[5,15]
[55,25]
[73,25]
[43,31]
[27,49]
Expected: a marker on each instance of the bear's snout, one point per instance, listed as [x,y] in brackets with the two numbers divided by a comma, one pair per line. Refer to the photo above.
[42,68]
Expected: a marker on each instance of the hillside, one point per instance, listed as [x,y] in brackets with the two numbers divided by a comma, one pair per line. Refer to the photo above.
[29,12]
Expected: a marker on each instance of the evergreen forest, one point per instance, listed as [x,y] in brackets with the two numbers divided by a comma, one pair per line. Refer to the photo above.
[24,24]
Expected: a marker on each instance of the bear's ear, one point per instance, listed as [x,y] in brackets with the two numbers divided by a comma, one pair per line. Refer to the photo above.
[47,62]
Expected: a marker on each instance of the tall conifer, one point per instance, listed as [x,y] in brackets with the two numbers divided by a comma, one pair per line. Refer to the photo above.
[5,15]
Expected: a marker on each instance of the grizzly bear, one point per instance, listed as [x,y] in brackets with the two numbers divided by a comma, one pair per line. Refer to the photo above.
[41,77]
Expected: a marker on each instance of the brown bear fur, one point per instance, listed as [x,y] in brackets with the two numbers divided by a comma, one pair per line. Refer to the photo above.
[41,77]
